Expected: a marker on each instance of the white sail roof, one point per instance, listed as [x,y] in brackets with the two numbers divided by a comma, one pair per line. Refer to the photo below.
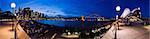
[125,13]
[135,10]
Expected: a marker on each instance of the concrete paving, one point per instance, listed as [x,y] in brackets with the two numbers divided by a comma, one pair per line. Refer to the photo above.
[6,33]
[128,32]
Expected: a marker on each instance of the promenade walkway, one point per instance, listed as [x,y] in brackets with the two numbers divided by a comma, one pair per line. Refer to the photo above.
[6,33]
[129,32]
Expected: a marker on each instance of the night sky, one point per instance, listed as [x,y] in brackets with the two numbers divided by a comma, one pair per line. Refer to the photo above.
[73,8]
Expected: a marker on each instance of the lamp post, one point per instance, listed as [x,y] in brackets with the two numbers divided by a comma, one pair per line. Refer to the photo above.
[117,10]
[117,16]
[13,6]
[139,12]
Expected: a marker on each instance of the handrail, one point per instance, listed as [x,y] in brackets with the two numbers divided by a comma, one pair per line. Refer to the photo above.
[21,33]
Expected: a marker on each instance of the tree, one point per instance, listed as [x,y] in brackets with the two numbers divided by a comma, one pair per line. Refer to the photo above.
[27,12]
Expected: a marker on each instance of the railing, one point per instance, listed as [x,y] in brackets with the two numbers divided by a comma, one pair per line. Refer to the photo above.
[20,33]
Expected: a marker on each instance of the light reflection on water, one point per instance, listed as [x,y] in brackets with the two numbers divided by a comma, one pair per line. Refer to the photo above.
[69,23]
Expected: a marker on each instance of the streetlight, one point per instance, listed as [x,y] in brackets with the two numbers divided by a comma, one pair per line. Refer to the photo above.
[13,6]
[117,16]
[117,10]
[139,11]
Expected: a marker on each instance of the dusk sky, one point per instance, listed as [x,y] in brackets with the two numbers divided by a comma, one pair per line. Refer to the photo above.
[104,8]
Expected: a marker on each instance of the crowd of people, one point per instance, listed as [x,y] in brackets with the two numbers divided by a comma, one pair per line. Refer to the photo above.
[38,30]
[33,29]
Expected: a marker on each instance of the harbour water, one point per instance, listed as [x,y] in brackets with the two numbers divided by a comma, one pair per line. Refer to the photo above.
[70,23]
